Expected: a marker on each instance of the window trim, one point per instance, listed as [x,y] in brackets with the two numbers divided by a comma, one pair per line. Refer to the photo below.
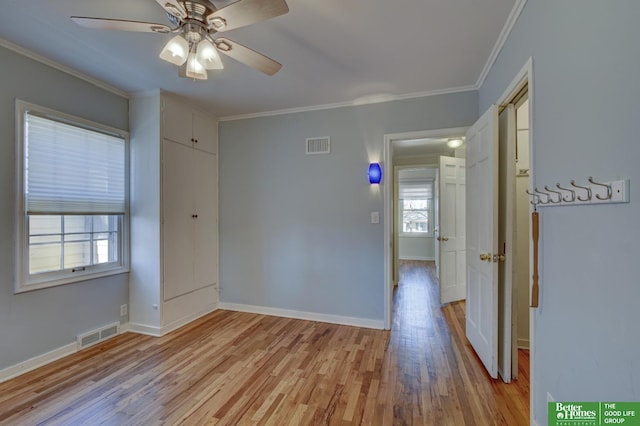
[428,234]
[24,281]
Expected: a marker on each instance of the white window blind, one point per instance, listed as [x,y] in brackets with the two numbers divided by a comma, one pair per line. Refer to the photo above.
[415,190]
[72,170]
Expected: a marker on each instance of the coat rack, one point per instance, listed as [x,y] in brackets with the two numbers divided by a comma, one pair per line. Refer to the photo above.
[592,192]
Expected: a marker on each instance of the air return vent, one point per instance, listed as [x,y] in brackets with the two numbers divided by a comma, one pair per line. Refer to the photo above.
[320,145]
[96,336]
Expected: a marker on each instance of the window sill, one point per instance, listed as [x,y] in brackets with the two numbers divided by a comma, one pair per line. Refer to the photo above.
[67,278]
[416,234]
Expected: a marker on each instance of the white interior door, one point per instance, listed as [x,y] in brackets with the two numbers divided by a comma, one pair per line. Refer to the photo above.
[482,238]
[436,222]
[177,220]
[507,326]
[451,237]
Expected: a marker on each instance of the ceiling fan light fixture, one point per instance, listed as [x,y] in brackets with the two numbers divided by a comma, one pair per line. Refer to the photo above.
[217,23]
[174,10]
[195,69]
[207,55]
[176,50]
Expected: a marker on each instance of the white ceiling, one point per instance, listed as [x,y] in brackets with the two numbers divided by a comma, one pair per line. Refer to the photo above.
[332,51]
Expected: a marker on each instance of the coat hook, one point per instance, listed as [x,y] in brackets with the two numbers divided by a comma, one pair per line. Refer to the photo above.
[546,194]
[609,191]
[586,188]
[556,192]
[536,197]
[572,198]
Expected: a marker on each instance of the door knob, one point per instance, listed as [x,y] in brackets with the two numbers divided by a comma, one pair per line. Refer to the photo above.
[498,257]
[485,256]
[445,238]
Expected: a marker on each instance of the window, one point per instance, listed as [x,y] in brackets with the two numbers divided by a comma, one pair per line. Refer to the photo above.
[416,201]
[72,199]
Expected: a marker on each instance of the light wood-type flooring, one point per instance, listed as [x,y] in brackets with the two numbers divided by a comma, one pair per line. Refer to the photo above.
[231,368]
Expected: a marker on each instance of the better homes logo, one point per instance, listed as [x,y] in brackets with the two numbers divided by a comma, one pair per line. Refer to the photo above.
[571,413]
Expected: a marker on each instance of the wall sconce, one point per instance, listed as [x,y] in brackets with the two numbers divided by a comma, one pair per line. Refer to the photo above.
[375,173]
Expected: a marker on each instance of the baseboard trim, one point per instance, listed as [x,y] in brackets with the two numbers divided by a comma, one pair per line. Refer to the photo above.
[309,316]
[124,328]
[46,358]
[148,330]
[151,330]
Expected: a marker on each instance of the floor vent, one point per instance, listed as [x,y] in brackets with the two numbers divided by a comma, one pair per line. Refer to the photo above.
[96,336]
[318,145]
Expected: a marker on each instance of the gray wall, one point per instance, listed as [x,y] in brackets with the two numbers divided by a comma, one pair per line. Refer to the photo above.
[416,248]
[43,320]
[295,230]
[585,118]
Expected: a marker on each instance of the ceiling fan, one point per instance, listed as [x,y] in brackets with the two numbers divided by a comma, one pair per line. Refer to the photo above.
[195,22]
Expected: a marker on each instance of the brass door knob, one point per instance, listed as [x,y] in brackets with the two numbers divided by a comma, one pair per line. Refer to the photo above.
[498,257]
[485,256]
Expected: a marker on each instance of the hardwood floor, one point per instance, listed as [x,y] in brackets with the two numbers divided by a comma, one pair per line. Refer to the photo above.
[233,368]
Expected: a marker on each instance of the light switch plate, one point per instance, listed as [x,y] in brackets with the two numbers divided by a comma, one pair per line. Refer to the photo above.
[375,217]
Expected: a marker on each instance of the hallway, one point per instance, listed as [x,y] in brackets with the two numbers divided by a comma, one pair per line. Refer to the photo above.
[437,379]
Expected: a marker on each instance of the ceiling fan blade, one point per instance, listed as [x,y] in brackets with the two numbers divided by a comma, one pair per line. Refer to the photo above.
[173,7]
[247,56]
[117,24]
[245,12]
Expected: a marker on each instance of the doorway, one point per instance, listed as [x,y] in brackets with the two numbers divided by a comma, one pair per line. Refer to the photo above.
[492,290]
[521,80]
[513,234]
[409,150]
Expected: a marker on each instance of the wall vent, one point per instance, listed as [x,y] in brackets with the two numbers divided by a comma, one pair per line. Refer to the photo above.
[320,145]
[96,336]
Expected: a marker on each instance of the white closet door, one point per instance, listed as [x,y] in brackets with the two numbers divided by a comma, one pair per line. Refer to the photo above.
[178,220]
[205,255]
[176,122]
[205,132]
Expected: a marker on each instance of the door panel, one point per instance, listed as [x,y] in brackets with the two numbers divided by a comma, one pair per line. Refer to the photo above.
[451,237]
[205,131]
[176,122]
[482,238]
[506,208]
[205,256]
[177,223]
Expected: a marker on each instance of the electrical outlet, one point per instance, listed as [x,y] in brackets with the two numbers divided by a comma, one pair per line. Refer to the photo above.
[550,398]
[123,310]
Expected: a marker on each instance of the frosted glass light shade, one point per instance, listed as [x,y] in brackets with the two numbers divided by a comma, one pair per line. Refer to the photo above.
[176,50]
[194,68]
[207,55]
[454,143]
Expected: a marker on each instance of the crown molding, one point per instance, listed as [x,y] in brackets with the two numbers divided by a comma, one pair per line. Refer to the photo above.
[367,100]
[53,64]
[502,38]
